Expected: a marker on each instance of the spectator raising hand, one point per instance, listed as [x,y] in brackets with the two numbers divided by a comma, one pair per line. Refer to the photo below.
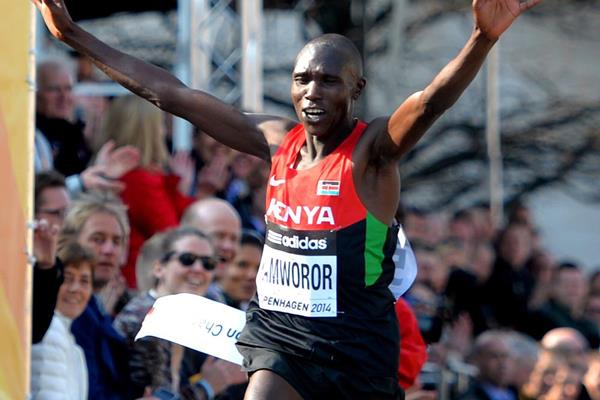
[45,238]
[182,165]
[111,164]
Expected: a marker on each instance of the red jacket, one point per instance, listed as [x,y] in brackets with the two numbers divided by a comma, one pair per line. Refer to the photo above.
[413,351]
[154,204]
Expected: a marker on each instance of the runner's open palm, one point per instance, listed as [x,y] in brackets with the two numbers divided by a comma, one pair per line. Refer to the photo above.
[494,17]
[55,16]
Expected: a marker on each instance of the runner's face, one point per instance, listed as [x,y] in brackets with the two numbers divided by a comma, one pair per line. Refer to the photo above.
[324,85]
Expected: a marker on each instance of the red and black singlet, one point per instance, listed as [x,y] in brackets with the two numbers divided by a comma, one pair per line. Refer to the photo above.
[322,287]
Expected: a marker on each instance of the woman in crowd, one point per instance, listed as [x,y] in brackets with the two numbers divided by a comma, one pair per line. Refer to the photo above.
[156,192]
[186,265]
[58,368]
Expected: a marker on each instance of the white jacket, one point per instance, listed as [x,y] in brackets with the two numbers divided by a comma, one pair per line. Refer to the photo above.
[58,369]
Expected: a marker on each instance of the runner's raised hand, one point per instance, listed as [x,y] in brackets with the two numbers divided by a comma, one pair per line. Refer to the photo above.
[55,15]
[493,17]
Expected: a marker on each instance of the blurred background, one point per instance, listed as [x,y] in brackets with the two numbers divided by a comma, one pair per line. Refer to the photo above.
[547,101]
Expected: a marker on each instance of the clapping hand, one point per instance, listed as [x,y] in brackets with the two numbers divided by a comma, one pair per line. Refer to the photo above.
[45,239]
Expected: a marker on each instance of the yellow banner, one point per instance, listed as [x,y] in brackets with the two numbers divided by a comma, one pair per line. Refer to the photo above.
[16,194]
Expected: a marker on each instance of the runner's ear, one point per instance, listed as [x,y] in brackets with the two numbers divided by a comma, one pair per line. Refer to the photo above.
[358,88]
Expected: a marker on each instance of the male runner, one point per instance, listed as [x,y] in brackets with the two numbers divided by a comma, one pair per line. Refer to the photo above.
[322,324]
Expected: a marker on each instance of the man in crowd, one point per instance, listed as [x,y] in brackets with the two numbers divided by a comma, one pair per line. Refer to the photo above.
[332,196]
[59,140]
[221,223]
[100,224]
[567,295]
[491,355]
[51,203]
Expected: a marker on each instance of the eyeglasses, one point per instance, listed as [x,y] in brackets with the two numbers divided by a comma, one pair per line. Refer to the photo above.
[189,259]
[55,212]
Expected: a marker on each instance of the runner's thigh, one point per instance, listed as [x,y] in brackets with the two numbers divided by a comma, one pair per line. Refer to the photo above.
[267,385]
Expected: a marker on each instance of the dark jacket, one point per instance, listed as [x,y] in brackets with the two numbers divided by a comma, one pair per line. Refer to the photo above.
[46,283]
[105,351]
[553,315]
[476,392]
[70,151]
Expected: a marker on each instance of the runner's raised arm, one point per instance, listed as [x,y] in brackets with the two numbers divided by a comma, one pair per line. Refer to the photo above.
[412,119]
[224,122]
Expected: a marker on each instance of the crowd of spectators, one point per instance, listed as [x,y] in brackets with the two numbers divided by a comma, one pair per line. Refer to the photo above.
[131,222]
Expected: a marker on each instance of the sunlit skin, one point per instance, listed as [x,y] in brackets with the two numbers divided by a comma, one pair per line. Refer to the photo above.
[239,280]
[75,291]
[53,205]
[175,278]
[567,384]
[102,234]
[326,81]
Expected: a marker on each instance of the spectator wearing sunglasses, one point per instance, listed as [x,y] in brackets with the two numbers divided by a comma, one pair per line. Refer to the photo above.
[186,265]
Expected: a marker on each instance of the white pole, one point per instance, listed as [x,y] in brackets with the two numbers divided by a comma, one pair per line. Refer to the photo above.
[182,130]
[492,132]
[252,65]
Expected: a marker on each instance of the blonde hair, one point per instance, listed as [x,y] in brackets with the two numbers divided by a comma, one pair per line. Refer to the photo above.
[133,121]
[150,253]
[86,206]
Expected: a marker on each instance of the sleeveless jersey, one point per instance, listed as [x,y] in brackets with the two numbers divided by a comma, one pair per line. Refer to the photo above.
[322,286]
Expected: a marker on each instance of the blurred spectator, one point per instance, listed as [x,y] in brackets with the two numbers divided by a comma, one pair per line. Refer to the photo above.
[238,283]
[592,377]
[563,309]
[132,121]
[542,377]
[55,117]
[485,229]
[246,191]
[591,310]
[519,213]
[567,384]
[213,166]
[542,268]
[149,254]
[221,222]
[491,355]
[465,290]
[595,281]
[59,142]
[100,224]
[428,310]
[58,367]
[432,271]
[509,287]
[524,352]
[568,343]
[416,226]
[51,203]
[462,227]
[571,346]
